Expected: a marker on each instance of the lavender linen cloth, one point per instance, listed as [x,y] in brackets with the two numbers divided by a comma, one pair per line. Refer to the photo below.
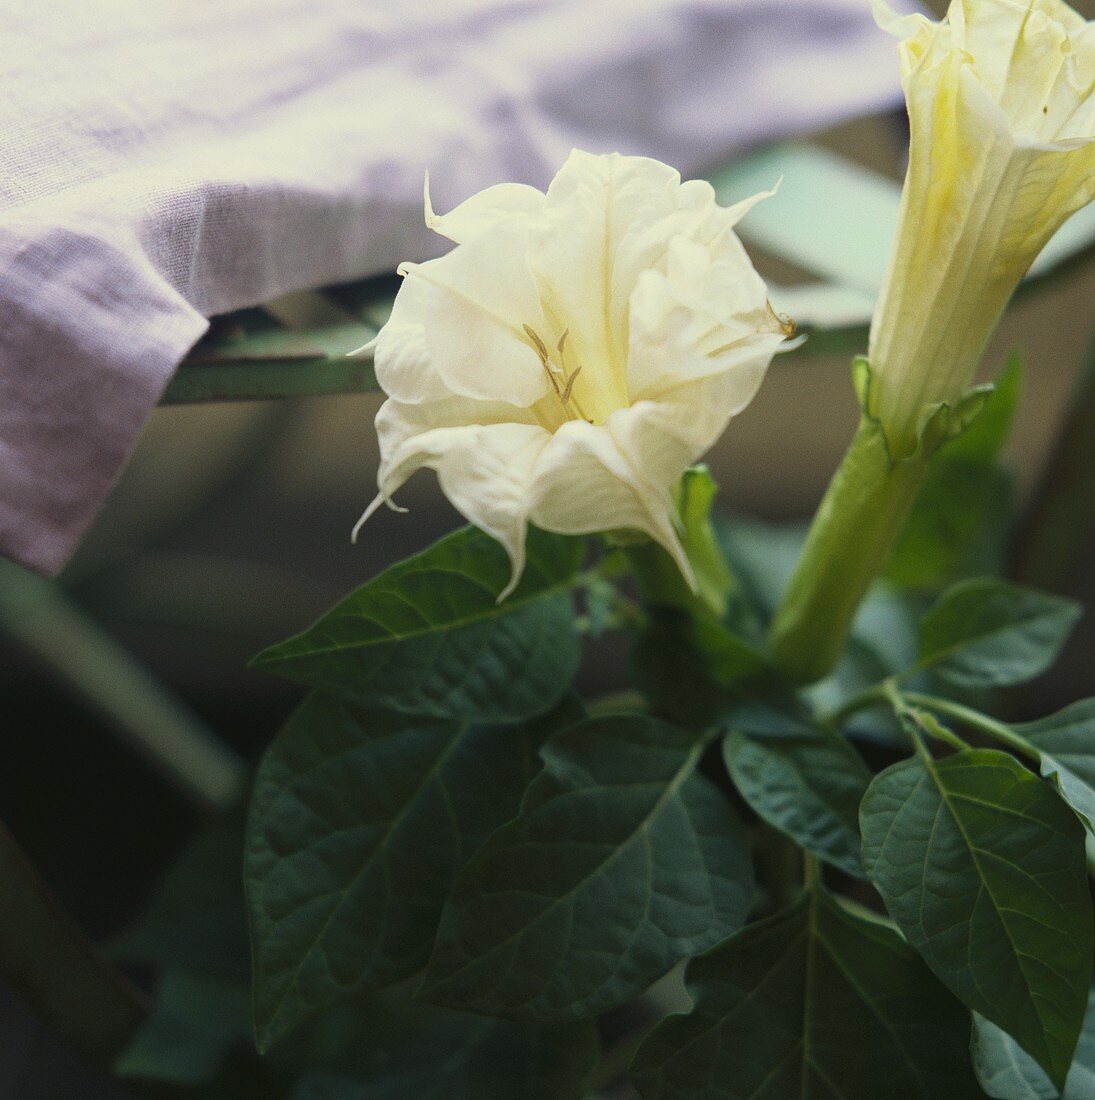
[164,162]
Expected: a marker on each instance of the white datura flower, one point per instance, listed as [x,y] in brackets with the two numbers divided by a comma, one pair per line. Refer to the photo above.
[1001,100]
[574,353]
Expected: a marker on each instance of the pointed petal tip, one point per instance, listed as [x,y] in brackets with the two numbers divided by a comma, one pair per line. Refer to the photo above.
[377,501]
[366,349]
[427,205]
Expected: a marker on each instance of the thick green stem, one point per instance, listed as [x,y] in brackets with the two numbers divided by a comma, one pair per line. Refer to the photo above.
[847,548]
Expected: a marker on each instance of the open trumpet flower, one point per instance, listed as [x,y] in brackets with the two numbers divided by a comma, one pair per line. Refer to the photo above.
[575,352]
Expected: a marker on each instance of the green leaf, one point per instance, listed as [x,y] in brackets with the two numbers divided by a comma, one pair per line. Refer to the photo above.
[390,1048]
[982,867]
[295,345]
[1066,746]
[196,1021]
[1007,1072]
[959,521]
[621,862]
[986,632]
[812,1002]
[360,821]
[984,438]
[802,778]
[956,529]
[690,667]
[428,635]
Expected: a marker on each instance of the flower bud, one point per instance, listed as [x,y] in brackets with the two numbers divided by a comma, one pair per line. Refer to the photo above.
[1001,100]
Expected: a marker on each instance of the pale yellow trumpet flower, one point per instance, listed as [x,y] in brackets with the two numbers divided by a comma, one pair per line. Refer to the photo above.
[1001,100]
[575,352]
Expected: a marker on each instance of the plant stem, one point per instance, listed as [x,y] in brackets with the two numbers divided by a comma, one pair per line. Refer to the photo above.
[978,721]
[870,697]
[45,956]
[849,544]
[909,717]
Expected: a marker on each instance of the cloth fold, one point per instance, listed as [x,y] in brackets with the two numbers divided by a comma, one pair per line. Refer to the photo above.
[162,163]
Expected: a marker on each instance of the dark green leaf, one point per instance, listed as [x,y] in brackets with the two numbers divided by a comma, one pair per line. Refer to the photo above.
[360,821]
[196,1021]
[621,862]
[956,528]
[986,632]
[982,867]
[389,1048]
[803,778]
[1007,1072]
[1066,743]
[689,667]
[428,636]
[814,1002]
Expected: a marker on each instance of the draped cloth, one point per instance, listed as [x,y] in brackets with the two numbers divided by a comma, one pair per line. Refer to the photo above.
[162,163]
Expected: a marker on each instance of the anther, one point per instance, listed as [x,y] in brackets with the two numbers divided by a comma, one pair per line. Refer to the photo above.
[570,384]
[541,349]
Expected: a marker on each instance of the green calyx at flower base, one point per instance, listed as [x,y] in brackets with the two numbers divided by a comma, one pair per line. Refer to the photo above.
[467,877]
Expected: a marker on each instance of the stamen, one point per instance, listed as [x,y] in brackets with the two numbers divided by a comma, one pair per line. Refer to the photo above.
[786,323]
[541,349]
[557,372]
[570,384]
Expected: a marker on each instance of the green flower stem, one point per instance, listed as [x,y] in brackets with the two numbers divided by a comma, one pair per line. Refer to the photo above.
[847,548]
[875,696]
[976,720]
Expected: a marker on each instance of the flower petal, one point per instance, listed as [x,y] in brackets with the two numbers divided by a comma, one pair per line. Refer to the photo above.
[473,304]
[700,319]
[484,470]
[584,483]
[592,204]
[484,210]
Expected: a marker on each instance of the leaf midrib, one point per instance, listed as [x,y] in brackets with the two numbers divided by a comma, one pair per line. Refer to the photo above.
[682,774]
[973,850]
[432,772]
[508,607]
[980,639]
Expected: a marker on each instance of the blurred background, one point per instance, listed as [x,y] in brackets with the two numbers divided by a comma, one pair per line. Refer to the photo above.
[230,530]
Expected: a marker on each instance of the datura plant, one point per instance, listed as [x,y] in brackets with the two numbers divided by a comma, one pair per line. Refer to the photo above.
[800,857]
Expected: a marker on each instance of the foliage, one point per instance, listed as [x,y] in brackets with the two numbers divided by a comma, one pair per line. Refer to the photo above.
[461,878]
